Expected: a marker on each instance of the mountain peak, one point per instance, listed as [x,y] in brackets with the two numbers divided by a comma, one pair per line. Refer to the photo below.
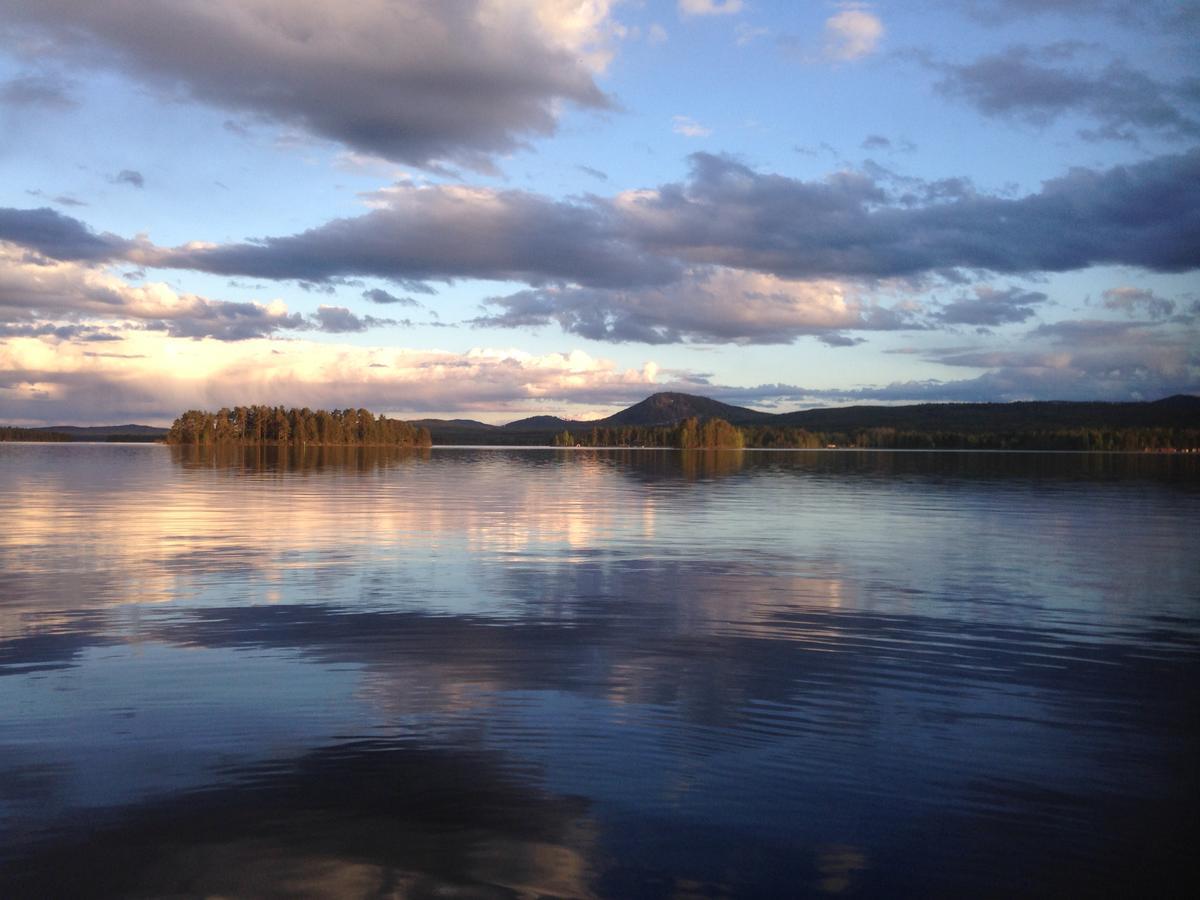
[668,407]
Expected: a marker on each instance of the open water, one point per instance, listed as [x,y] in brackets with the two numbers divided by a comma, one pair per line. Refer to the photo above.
[497,672]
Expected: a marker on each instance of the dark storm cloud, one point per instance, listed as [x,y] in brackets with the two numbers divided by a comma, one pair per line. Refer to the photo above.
[377,295]
[443,233]
[1030,85]
[59,237]
[991,307]
[411,81]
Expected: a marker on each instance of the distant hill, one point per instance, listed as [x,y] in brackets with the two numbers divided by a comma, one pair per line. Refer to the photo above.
[109,432]
[667,408]
[1179,411]
[453,423]
[542,423]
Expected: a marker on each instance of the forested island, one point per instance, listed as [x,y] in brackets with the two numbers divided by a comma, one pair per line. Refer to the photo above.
[249,425]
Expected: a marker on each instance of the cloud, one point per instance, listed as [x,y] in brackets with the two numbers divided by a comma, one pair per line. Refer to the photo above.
[886,144]
[130,177]
[852,34]
[45,91]
[1134,300]
[850,227]
[1069,360]
[990,307]
[594,173]
[833,339]
[339,320]
[60,199]
[445,232]
[1175,15]
[849,224]
[61,332]
[377,295]
[689,127]
[43,379]
[59,237]
[1022,83]
[36,289]
[717,305]
[656,34]
[709,7]
[456,81]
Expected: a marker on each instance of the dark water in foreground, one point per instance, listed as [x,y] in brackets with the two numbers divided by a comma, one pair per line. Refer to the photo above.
[492,673]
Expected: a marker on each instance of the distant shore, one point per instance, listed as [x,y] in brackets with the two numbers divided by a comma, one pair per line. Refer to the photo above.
[1170,425]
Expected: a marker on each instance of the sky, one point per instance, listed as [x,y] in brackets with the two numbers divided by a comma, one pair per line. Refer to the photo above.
[491,209]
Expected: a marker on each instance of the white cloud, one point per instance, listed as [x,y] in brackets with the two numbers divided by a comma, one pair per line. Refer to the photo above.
[656,34]
[689,127]
[852,34]
[709,7]
[36,289]
[709,305]
[153,376]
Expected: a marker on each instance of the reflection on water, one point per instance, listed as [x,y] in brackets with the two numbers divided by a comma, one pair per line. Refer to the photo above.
[477,673]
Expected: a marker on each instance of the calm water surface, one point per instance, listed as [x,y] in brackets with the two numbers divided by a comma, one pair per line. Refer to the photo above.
[494,673]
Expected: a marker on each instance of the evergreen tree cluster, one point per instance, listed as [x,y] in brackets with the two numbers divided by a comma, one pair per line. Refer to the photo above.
[1102,439]
[690,434]
[13,433]
[718,434]
[248,425]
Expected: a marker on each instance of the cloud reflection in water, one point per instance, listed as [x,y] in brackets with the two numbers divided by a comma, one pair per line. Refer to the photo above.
[624,674]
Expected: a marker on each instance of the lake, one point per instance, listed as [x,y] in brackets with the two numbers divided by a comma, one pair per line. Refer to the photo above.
[502,672]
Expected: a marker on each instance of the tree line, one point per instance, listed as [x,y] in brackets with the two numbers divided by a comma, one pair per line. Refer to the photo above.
[719,434]
[13,433]
[689,434]
[249,425]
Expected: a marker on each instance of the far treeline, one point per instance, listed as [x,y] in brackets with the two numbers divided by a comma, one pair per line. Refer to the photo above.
[719,434]
[690,434]
[39,435]
[298,427]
